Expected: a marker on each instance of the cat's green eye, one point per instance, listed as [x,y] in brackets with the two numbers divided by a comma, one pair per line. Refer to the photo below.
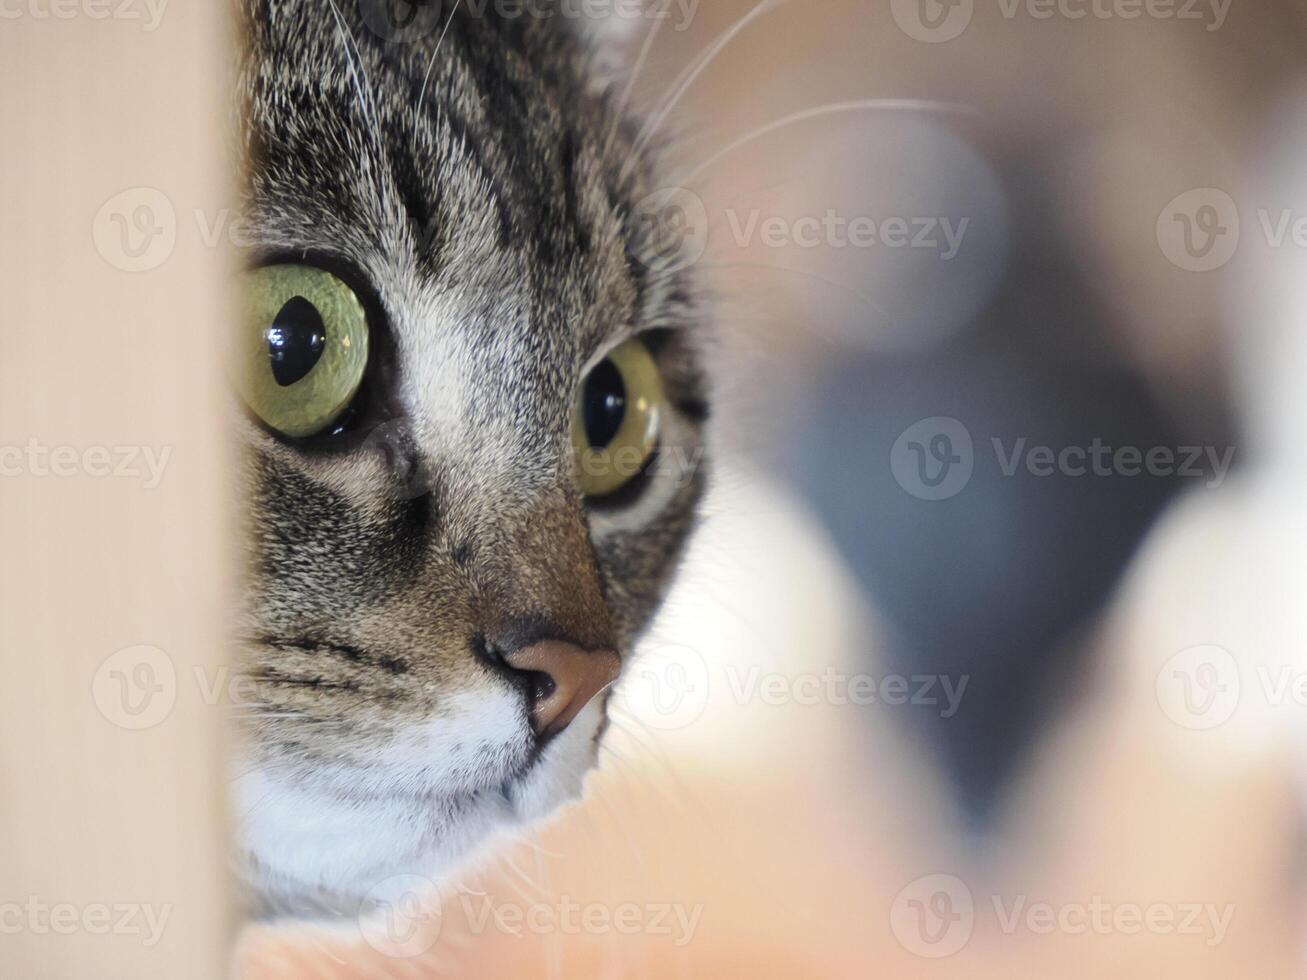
[301,348]
[616,421]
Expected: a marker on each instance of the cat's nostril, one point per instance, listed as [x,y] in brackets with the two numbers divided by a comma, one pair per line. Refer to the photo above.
[564,679]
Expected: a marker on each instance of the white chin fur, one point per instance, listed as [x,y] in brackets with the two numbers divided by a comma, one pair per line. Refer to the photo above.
[313,848]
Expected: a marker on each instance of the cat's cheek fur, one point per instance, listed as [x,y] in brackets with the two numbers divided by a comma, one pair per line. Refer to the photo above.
[319,849]
[567,760]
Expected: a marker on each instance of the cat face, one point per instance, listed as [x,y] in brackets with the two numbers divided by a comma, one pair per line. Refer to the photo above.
[454,326]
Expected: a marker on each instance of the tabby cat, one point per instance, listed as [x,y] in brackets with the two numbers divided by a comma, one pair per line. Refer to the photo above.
[463,357]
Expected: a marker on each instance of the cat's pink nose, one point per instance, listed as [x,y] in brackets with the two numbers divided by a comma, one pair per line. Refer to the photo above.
[571,678]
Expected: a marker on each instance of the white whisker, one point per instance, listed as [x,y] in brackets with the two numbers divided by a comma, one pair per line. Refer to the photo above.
[619,110]
[696,69]
[830,109]
[355,63]
[432,63]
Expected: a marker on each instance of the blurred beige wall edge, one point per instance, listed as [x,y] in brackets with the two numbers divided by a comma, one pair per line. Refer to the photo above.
[111,486]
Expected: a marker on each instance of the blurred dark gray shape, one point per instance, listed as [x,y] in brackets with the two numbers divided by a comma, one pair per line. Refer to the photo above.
[998,581]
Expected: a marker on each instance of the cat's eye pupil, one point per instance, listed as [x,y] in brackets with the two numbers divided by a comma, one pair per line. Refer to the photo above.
[604,404]
[295,341]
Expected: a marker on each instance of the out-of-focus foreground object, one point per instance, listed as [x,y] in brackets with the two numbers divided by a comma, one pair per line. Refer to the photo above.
[111,489]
